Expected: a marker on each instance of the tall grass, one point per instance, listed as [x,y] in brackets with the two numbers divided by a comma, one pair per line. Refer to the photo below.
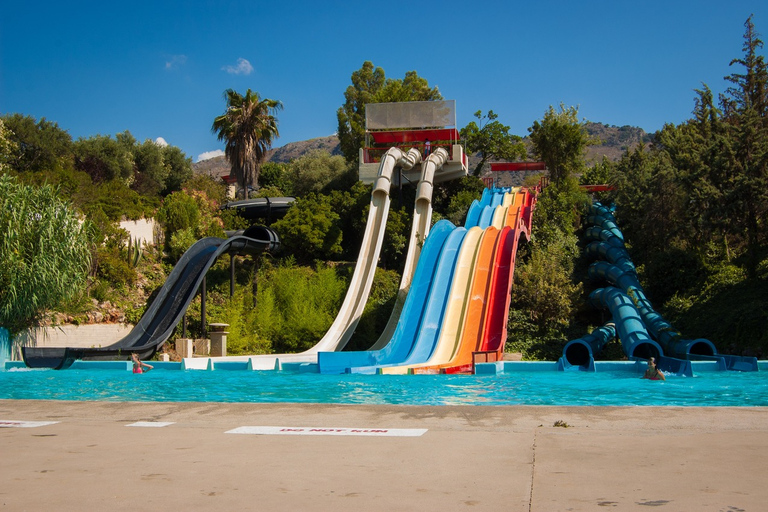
[44,250]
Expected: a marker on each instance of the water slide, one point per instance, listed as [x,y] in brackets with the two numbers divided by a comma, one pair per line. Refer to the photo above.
[397,347]
[433,326]
[407,328]
[269,208]
[354,302]
[482,326]
[620,272]
[165,312]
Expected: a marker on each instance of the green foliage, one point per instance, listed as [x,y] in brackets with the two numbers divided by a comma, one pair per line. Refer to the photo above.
[452,199]
[395,246]
[179,169]
[213,189]
[133,252]
[151,173]
[369,85]
[187,216]
[275,176]
[179,211]
[313,172]
[296,305]
[45,253]
[560,140]
[352,207]
[118,201]
[37,145]
[7,147]
[310,229]
[491,139]
[377,310]
[113,267]
[104,159]
[546,295]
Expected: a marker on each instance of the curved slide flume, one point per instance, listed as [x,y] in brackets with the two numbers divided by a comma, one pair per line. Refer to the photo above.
[634,337]
[165,312]
[352,307]
[426,326]
[580,352]
[405,333]
[422,220]
[453,320]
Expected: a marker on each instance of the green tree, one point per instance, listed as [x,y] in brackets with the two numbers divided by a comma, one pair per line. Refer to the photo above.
[103,159]
[560,140]
[39,145]
[314,171]
[310,229]
[491,139]
[745,107]
[369,85]
[179,168]
[274,175]
[151,172]
[247,127]
[45,253]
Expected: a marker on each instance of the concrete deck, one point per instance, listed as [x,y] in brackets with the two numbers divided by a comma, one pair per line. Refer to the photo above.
[473,458]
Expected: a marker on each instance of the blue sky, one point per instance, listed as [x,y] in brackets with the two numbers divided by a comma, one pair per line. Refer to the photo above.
[159,69]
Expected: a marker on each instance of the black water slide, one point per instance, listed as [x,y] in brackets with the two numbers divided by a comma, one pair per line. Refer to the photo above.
[165,312]
[269,208]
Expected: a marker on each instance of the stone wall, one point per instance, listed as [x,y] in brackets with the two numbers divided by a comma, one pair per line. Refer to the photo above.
[143,229]
[85,336]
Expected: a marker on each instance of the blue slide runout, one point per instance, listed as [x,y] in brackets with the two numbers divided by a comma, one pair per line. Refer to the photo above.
[405,333]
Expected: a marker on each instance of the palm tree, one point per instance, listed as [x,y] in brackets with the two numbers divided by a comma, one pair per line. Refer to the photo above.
[248,127]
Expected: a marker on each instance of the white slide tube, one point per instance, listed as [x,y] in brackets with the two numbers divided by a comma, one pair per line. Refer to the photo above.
[422,221]
[351,309]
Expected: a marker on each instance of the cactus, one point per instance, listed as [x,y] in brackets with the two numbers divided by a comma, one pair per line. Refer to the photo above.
[134,252]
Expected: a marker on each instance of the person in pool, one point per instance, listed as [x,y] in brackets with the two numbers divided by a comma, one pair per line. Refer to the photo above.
[138,366]
[653,373]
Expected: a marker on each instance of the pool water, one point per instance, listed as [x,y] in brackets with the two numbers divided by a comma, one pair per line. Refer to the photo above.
[610,388]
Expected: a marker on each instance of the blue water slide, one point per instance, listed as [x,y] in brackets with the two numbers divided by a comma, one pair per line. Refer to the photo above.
[428,330]
[635,340]
[596,233]
[486,216]
[473,215]
[616,255]
[580,352]
[404,336]
[497,198]
[476,208]
[606,223]
[668,337]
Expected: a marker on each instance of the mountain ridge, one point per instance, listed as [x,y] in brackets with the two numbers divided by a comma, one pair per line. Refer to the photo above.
[612,140]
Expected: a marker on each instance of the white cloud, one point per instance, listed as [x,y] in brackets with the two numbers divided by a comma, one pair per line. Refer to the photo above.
[243,67]
[209,154]
[161,142]
[175,61]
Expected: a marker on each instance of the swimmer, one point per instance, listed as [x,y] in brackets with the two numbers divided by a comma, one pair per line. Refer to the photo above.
[138,366]
[653,373]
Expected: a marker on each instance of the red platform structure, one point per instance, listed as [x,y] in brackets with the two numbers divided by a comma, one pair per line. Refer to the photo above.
[426,125]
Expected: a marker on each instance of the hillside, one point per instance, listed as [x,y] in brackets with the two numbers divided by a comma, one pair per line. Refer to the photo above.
[613,142]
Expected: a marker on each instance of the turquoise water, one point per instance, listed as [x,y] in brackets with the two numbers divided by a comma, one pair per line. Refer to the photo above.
[610,388]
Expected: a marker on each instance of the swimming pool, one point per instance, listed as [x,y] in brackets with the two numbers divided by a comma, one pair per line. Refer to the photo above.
[603,388]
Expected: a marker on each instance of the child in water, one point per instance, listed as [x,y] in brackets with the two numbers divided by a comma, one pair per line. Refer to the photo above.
[138,366]
[653,373]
